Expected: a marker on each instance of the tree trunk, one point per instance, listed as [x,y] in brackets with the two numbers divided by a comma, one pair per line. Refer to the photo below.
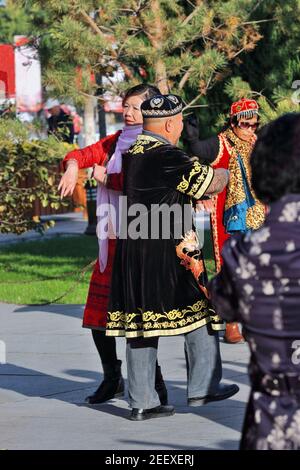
[161,79]
[79,195]
[157,37]
[89,121]
[100,108]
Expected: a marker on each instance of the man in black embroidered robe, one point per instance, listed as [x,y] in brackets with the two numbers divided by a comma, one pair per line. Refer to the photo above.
[158,282]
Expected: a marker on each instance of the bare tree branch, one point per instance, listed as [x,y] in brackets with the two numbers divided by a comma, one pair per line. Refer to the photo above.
[191,15]
[92,23]
[259,21]
[97,30]
[185,78]
[192,102]
[238,53]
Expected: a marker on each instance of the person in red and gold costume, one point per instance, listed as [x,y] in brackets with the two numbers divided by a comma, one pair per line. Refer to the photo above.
[105,156]
[236,208]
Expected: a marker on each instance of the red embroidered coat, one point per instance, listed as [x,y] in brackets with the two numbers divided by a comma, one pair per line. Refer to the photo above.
[95,311]
[219,235]
[229,146]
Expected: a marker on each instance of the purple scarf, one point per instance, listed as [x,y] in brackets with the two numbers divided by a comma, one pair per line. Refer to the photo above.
[108,199]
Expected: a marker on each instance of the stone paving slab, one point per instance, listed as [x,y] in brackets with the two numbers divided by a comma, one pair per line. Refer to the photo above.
[52,364]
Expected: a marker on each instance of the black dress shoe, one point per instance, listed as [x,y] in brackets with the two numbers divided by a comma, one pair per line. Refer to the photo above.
[107,390]
[139,414]
[224,391]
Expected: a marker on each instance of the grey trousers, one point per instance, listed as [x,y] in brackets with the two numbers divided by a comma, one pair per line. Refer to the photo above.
[203,362]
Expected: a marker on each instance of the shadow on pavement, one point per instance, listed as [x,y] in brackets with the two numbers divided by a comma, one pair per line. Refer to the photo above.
[226,444]
[75,310]
[33,383]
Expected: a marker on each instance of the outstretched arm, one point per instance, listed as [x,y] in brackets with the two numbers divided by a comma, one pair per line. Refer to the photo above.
[69,179]
[94,155]
[219,182]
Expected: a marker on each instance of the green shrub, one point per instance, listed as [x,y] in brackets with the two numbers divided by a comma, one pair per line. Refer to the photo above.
[28,172]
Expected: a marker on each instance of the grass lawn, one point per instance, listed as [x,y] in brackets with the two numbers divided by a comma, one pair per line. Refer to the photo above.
[41,261]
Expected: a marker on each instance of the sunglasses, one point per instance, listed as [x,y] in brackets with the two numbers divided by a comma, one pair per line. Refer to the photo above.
[247,125]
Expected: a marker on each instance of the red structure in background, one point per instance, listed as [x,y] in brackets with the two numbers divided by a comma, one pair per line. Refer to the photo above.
[7,72]
[8,92]
[113,105]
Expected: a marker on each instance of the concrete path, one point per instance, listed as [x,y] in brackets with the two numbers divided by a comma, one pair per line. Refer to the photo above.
[71,223]
[51,365]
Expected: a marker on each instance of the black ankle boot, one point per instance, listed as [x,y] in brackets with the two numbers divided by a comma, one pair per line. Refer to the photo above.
[111,387]
[160,386]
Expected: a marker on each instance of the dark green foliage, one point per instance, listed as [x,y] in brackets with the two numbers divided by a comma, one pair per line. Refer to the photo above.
[179,45]
[28,172]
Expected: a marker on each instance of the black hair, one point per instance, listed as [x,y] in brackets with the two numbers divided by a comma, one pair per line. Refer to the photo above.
[275,160]
[142,89]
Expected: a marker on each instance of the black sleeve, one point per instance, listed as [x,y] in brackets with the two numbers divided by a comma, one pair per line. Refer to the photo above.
[185,174]
[50,125]
[207,150]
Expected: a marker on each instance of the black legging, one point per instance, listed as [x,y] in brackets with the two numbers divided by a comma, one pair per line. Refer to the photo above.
[106,347]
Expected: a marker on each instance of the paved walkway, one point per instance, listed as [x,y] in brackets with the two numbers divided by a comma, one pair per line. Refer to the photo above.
[71,223]
[51,365]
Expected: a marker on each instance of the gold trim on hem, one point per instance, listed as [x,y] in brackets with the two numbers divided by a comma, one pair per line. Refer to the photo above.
[215,234]
[221,149]
[148,334]
[221,327]
[204,186]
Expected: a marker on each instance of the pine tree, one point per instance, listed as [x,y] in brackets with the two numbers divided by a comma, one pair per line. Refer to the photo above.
[13,21]
[271,72]
[183,46]
[209,51]
[275,63]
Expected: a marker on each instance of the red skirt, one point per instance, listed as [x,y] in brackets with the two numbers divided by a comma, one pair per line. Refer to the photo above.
[95,312]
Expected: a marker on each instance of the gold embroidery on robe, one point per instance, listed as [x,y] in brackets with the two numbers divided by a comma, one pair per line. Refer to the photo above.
[141,142]
[175,318]
[235,190]
[198,187]
[184,250]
